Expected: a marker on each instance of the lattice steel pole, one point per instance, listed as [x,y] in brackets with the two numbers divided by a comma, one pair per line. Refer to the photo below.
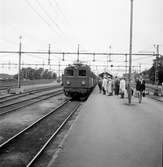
[130,53]
[156,68]
[156,92]
[19,67]
[126,63]
[78,53]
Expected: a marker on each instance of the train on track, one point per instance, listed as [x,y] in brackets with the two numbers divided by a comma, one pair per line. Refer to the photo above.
[78,80]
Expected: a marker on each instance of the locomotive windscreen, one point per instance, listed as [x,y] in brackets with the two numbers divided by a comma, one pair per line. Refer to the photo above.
[82,72]
[69,72]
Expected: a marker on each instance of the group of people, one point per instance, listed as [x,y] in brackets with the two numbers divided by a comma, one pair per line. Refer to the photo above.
[109,86]
[118,86]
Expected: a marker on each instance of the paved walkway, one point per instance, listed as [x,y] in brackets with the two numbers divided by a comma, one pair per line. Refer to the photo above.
[110,133]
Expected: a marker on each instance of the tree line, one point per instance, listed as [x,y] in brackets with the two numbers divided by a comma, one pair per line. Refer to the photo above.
[32,74]
[150,73]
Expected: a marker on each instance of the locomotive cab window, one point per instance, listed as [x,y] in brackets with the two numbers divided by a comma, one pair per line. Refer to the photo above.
[69,72]
[82,72]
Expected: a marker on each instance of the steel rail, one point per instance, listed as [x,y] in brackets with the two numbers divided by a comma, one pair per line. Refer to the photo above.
[16,96]
[156,98]
[151,90]
[29,98]
[30,126]
[8,95]
[23,106]
[50,139]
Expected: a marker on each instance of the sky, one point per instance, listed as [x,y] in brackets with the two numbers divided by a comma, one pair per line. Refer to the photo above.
[97,25]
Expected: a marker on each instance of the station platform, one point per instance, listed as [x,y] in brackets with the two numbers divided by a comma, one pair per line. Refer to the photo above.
[110,133]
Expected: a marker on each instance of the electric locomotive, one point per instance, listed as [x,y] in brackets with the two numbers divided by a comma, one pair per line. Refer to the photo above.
[78,80]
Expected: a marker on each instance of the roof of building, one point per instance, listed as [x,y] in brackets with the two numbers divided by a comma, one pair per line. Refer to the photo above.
[105,73]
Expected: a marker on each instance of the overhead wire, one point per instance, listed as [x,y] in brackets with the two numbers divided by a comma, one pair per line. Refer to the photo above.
[51,4]
[48,15]
[58,8]
[38,14]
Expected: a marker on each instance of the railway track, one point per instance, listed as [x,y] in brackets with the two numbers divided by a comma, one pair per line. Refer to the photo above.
[150,89]
[157,98]
[32,91]
[6,87]
[29,100]
[25,147]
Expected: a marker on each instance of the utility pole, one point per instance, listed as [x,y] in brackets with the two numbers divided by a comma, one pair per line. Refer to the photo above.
[78,53]
[130,53]
[49,57]
[108,58]
[126,63]
[140,68]
[156,70]
[110,53]
[93,57]
[63,58]
[156,65]
[19,68]
[59,65]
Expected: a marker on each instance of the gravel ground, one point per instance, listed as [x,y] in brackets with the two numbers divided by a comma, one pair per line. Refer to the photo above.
[15,121]
[31,86]
[27,145]
[56,144]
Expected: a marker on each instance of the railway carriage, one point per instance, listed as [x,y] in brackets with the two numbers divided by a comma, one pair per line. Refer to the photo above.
[78,80]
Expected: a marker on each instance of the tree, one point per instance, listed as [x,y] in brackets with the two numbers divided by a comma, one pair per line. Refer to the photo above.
[30,73]
[151,71]
[37,73]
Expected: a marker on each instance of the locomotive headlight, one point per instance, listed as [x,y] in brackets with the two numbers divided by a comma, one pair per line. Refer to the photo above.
[83,83]
[68,82]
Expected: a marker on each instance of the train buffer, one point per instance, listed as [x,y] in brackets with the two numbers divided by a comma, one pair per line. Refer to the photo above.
[110,133]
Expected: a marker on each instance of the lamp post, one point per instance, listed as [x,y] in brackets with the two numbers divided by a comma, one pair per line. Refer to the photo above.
[130,53]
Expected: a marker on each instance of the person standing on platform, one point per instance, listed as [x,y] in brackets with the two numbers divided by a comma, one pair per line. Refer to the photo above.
[140,88]
[109,87]
[162,89]
[100,84]
[104,84]
[122,87]
[116,85]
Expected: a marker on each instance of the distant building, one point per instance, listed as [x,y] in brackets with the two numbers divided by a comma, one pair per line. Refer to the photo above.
[105,74]
[133,76]
[161,61]
[5,76]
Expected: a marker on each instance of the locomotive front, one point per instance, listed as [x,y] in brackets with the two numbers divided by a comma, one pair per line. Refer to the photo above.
[77,81]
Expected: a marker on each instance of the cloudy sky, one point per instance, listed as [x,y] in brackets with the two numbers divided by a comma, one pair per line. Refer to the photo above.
[94,24]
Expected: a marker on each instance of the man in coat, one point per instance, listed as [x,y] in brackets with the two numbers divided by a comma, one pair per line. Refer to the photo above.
[122,87]
[104,84]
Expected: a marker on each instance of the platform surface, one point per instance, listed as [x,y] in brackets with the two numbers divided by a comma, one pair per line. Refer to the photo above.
[110,133]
